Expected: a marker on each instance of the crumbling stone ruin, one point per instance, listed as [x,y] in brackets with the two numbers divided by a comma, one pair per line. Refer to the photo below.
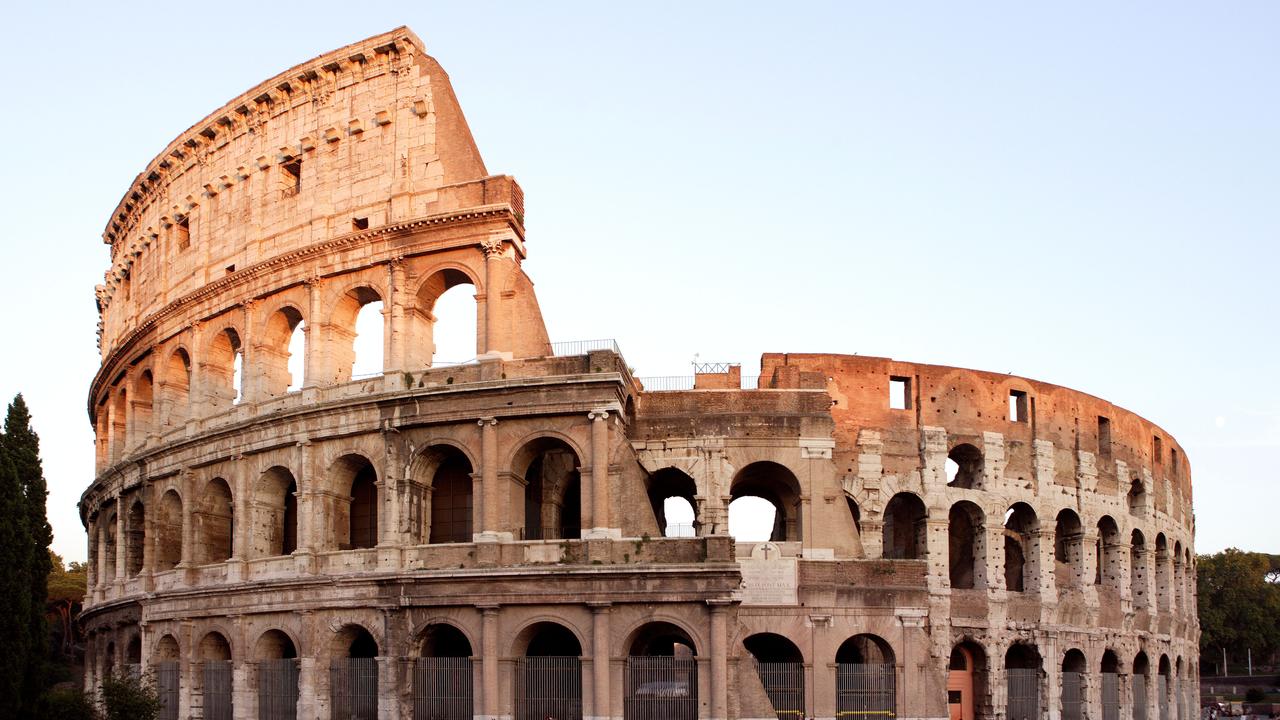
[488,539]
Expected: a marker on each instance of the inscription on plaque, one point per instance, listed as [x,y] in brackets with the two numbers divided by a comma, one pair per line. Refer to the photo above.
[767,577]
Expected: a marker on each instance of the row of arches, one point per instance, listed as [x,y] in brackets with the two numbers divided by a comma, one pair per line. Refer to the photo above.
[272,353]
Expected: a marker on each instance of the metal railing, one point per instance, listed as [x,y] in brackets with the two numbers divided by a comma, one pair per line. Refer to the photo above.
[167,678]
[442,688]
[784,684]
[1162,695]
[353,688]
[277,689]
[582,347]
[216,691]
[1024,694]
[1110,696]
[1072,696]
[549,687]
[661,688]
[680,530]
[1139,696]
[666,383]
[866,691]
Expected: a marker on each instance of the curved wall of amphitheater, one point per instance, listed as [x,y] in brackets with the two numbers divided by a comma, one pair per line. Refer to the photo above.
[489,539]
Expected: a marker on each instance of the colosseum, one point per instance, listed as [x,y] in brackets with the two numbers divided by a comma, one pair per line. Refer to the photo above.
[489,539]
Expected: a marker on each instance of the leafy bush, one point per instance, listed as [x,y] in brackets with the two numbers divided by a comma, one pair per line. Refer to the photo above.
[128,698]
[67,704]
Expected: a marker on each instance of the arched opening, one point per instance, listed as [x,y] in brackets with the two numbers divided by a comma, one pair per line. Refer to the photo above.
[1068,551]
[109,548]
[442,675]
[355,509]
[904,528]
[1074,668]
[1178,600]
[356,331]
[1022,674]
[549,675]
[353,674]
[672,497]
[964,467]
[277,665]
[774,484]
[1110,685]
[276,510]
[1188,585]
[175,387]
[1163,687]
[966,546]
[222,370]
[281,356]
[136,532]
[1020,565]
[168,529]
[119,425]
[165,660]
[662,674]
[552,490]
[780,665]
[1138,570]
[450,498]
[443,320]
[109,660]
[1137,498]
[1162,573]
[966,674]
[143,400]
[214,519]
[865,678]
[1109,554]
[215,677]
[133,656]
[1141,681]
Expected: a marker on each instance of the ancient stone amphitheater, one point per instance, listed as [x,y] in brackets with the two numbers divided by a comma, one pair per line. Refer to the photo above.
[489,539]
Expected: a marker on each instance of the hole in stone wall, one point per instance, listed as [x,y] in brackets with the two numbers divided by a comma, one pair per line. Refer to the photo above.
[899,393]
[291,177]
[1104,437]
[1018,406]
[360,223]
[182,233]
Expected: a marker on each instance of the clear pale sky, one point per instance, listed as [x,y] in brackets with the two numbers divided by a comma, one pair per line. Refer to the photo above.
[1085,195]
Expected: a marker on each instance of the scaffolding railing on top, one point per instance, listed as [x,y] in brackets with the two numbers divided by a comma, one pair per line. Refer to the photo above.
[582,347]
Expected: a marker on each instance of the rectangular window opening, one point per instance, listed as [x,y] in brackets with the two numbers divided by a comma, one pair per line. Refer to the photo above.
[1157,451]
[1018,406]
[182,233]
[360,223]
[291,177]
[1104,437]
[1173,461]
[231,269]
[899,393]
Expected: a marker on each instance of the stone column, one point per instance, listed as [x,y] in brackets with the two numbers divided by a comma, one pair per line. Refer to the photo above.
[994,560]
[601,698]
[250,374]
[396,337]
[490,502]
[307,669]
[1042,557]
[188,526]
[489,662]
[493,250]
[313,363]
[91,559]
[195,381]
[719,659]
[388,688]
[600,520]
[242,523]
[938,550]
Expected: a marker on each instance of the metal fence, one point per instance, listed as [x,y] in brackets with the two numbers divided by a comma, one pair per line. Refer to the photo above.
[1139,696]
[866,691]
[1024,694]
[442,688]
[216,691]
[784,684]
[353,689]
[1179,699]
[167,677]
[661,688]
[1162,695]
[1072,696]
[1110,696]
[549,687]
[582,347]
[666,383]
[277,689]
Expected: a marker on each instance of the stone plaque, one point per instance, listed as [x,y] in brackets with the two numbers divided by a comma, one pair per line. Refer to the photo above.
[767,577]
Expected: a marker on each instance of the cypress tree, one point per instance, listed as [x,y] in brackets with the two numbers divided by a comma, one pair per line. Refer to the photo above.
[15,590]
[22,446]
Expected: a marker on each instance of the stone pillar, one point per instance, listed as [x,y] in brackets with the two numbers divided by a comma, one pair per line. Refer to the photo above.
[600,520]
[250,374]
[493,250]
[188,527]
[490,502]
[242,523]
[719,659]
[601,698]
[937,552]
[1042,556]
[394,358]
[307,669]
[492,702]
[313,363]
[1122,572]
[994,530]
[388,688]
[91,560]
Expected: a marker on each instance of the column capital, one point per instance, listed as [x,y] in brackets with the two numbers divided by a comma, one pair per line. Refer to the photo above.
[718,605]
[599,606]
[598,414]
[489,608]
[489,421]
[492,247]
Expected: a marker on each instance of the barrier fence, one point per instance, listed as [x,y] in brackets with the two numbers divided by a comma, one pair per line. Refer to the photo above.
[549,687]
[1024,694]
[277,689]
[866,691]
[442,688]
[353,688]
[1072,696]
[167,687]
[216,691]
[1110,696]
[661,688]
[784,684]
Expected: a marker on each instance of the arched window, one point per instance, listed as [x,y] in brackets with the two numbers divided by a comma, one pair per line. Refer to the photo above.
[165,659]
[1109,553]
[904,528]
[662,673]
[176,388]
[276,510]
[1068,551]
[277,675]
[1074,668]
[143,398]
[356,329]
[135,529]
[364,508]
[353,674]
[451,509]
[1137,498]
[550,660]
[1021,569]
[214,520]
[774,484]
[281,356]
[967,547]
[443,321]
[964,466]
[552,491]
[215,677]
[442,673]
[780,667]
[1138,570]
[866,679]
[223,370]
[1022,677]
[672,499]
[168,529]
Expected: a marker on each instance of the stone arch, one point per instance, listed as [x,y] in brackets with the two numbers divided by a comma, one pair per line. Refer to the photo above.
[353,640]
[213,646]
[168,530]
[659,636]
[166,649]
[275,508]
[1109,553]
[214,520]
[769,647]
[1074,669]
[865,649]
[1024,674]
[966,546]
[135,536]
[777,485]
[1138,569]
[1021,548]
[342,327]
[552,490]
[444,473]
[279,334]
[354,517]
[143,406]
[175,388]
[1068,550]
[545,637]
[964,467]
[1137,497]
[671,484]
[905,528]
[422,318]
[442,638]
[275,644]
[223,370]
[780,667]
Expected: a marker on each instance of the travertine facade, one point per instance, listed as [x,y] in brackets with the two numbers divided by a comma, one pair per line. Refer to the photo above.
[487,539]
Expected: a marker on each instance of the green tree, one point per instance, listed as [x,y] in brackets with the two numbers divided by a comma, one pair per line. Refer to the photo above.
[125,697]
[1239,608]
[15,592]
[22,447]
[67,586]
